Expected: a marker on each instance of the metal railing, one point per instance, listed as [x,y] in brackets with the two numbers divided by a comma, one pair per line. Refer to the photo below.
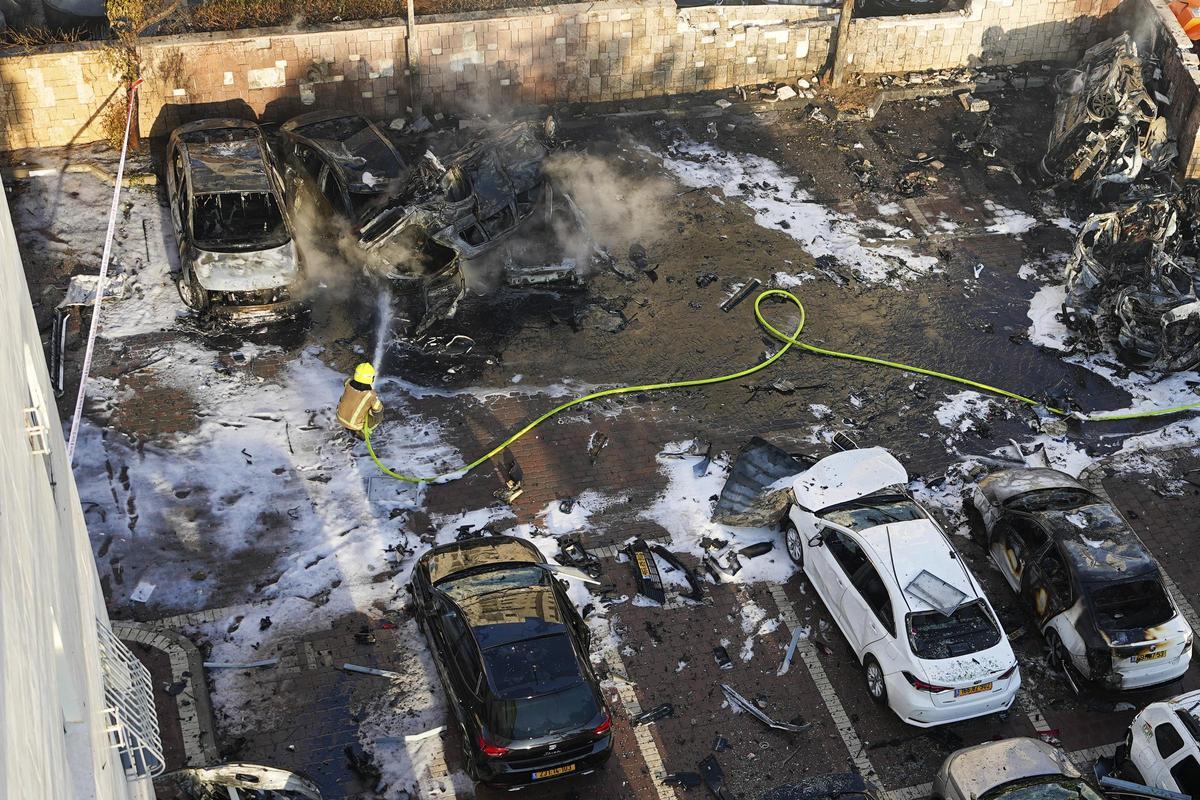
[130,718]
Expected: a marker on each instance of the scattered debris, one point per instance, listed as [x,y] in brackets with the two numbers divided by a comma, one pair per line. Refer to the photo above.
[686,780]
[757,549]
[141,593]
[1106,123]
[269,662]
[382,673]
[741,294]
[224,781]
[573,554]
[721,744]
[721,656]
[736,699]
[797,635]
[661,711]
[649,581]
[974,104]
[750,496]
[697,588]
[714,778]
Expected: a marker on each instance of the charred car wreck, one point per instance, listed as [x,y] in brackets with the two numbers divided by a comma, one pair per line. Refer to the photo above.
[1131,282]
[1106,123]
[413,221]
[236,254]
[1095,593]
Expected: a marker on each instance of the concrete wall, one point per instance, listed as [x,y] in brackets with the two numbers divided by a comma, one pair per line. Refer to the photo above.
[1159,33]
[608,50]
[52,741]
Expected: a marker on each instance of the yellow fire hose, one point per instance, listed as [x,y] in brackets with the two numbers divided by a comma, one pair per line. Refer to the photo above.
[788,342]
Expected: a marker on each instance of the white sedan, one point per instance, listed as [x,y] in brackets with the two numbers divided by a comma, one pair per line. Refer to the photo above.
[928,639]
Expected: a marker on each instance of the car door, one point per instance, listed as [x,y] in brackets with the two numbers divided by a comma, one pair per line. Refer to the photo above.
[1169,747]
[177,191]
[840,556]
[1017,540]
[868,609]
[1046,585]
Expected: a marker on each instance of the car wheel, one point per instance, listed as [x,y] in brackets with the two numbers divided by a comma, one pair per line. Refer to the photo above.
[876,686]
[190,292]
[1056,654]
[794,544]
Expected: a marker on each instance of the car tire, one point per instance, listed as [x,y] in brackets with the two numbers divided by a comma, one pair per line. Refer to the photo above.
[793,544]
[1055,651]
[876,685]
[190,291]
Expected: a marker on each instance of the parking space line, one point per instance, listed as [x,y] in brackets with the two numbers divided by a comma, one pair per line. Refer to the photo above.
[841,720]
[1036,718]
[645,740]
[439,771]
[912,792]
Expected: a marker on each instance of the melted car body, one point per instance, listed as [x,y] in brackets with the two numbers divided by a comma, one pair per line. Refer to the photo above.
[1093,589]
[512,654]
[238,260]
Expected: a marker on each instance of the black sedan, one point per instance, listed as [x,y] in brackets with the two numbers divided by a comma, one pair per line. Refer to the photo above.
[512,653]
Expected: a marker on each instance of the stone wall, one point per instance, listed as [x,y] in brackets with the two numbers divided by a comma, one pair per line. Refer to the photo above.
[608,50]
[1159,34]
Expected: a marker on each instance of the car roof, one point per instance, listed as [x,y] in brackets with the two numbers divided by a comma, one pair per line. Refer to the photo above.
[906,549]
[1009,483]
[1098,543]
[845,476]
[979,769]
[224,158]
[450,559]
[353,144]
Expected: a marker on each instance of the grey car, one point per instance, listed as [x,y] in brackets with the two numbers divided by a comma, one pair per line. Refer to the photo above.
[236,253]
[1012,769]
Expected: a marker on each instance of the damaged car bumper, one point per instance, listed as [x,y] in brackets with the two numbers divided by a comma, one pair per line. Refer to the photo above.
[243,287]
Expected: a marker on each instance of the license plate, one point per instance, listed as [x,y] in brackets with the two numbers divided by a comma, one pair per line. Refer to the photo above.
[983,687]
[1140,657]
[551,773]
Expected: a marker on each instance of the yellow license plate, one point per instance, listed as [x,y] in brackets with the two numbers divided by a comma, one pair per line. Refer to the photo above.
[1140,657]
[550,773]
[983,687]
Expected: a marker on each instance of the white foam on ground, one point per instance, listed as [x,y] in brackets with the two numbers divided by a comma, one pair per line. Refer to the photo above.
[1007,221]
[777,197]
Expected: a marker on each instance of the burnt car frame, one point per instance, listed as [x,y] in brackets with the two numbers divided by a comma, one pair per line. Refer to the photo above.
[237,255]
[412,221]
[512,654]
[1095,592]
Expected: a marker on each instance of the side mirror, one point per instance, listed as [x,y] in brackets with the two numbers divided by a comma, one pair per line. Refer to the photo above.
[816,540]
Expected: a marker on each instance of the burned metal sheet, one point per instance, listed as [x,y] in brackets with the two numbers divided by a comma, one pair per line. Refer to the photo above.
[737,700]
[216,783]
[1131,282]
[745,499]
[1106,123]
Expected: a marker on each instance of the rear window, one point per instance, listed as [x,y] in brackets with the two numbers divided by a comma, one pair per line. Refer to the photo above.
[1051,500]
[569,709]
[1133,604]
[1042,788]
[238,221]
[871,512]
[533,667]
[969,629]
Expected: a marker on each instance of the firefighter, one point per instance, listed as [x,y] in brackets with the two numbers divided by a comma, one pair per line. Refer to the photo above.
[360,410]
[1188,14]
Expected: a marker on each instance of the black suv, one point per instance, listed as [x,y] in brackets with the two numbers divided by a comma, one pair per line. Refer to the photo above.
[512,653]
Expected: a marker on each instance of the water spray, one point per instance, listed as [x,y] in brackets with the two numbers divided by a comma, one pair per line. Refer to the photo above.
[383,331]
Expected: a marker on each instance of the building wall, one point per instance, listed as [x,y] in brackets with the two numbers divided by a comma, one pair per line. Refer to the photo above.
[607,50]
[1158,33]
[52,741]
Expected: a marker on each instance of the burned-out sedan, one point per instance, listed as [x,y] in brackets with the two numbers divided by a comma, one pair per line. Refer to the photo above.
[512,654]
[236,253]
[1095,593]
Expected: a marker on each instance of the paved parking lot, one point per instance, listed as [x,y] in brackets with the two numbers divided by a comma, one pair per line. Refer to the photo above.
[211,467]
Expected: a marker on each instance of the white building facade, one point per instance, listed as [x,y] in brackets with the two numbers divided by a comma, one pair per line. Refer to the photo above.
[77,715]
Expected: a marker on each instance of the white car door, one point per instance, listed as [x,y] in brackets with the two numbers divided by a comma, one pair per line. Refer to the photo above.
[866,603]
[841,555]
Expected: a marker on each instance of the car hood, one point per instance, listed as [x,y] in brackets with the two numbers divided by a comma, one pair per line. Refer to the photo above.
[1009,483]
[975,770]
[246,271]
[847,476]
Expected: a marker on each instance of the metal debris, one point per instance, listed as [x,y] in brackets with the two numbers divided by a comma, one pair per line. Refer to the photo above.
[1106,123]
[714,778]
[1131,284]
[750,497]
[741,294]
[697,588]
[736,699]
[661,711]
[645,570]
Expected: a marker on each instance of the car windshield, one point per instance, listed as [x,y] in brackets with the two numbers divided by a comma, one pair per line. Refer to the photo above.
[498,578]
[569,709]
[1043,789]
[969,629]
[870,512]
[1051,500]
[238,221]
[1132,604]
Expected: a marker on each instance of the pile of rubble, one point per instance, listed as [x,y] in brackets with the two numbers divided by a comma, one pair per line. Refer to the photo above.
[1131,281]
[1107,129]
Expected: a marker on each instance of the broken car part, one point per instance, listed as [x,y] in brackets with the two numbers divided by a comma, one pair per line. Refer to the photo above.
[645,571]
[223,782]
[750,496]
[81,293]
[697,588]
[837,786]
[1106,123]
[714,778]
[721,656]
[572,552]
[797,635]
[736,699]
[661,711]
[741,294]
[686,780]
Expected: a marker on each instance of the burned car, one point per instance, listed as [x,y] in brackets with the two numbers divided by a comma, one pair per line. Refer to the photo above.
[1106,123]
[237,257]
[1095,593]
[1131,283]
[413,222]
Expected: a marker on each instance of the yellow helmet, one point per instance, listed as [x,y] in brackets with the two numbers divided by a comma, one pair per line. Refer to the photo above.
[364,373]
